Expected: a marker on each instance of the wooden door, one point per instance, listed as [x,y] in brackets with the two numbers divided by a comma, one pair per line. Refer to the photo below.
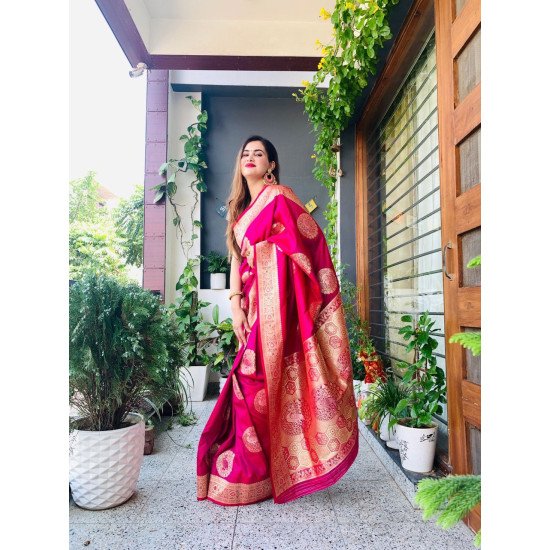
[458,44]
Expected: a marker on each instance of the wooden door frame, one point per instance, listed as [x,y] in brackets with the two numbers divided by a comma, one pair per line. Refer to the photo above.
[414,33]
[461,212]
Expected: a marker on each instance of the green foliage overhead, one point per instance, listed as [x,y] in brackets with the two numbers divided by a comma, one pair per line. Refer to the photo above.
[475,262]
[129,219]
[452,497]
[85,201]
[468,340]
[359,30]
[94,247]
[100,240]
[124,348]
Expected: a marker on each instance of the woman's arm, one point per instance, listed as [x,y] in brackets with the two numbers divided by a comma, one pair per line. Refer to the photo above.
[240,323]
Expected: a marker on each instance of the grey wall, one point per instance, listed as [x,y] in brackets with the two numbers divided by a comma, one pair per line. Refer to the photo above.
[231,119]
[347,203]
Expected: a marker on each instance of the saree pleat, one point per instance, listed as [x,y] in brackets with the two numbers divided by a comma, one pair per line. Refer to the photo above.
[285,424]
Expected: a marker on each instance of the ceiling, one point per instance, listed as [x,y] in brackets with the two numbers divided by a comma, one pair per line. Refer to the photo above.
[231,27]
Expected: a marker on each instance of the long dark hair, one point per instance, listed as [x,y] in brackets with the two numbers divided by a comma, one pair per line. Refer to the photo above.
[239,196]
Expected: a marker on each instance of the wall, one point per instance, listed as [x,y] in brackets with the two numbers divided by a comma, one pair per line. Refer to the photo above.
[232,118]
[181,114]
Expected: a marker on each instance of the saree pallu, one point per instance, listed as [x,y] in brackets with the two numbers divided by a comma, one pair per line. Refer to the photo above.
[285,423]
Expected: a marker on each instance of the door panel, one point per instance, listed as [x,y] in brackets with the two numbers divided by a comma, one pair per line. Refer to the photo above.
[458,46]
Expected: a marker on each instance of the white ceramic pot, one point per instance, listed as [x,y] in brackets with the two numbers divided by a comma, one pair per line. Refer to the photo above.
[217,281]
[385,433]
[223,380]
[104,466]
[196,377]
[417,447]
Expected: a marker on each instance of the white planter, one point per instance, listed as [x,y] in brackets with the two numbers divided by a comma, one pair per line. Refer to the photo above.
[417,447]
[217,281]
[104,466]
[223,380]
[197,379]
[385,433]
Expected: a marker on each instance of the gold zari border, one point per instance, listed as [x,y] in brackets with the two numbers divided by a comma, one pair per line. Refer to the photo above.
[225,492]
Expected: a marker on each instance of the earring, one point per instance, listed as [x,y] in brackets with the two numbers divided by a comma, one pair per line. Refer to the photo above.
[269,178]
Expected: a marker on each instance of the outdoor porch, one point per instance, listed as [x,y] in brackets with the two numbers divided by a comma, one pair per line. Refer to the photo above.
[366,508]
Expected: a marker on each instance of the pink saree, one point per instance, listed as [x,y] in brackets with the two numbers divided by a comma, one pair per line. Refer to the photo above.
[285,424]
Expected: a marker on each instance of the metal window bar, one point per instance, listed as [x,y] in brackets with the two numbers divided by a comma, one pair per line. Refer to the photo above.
[410,259]
[405,243]
[416,203]
[416,295]
[388,146]
[426,216]
[403,91]
[405,177]
[400,214]
[390,327]
[418,128]
[416,275]
[404,312]
[423,178]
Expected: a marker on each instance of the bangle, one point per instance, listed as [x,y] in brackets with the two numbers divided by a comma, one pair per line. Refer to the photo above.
[231,294]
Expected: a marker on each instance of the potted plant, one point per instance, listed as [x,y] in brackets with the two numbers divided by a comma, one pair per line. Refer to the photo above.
[149,444]
[196,333]
[383,398]
[417,433]
[226,345]
[371,361]
[356,326]
[117,358]
[218,266]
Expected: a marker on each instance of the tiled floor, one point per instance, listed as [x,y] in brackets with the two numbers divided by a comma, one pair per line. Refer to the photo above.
[365,510]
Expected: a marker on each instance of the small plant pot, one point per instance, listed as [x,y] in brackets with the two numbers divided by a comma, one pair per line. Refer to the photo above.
[196,377]
[217,281]
[149,440]
[104,466]
[417,447]
[385,433]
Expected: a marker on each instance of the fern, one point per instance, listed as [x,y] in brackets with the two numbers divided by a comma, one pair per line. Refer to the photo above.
[468,340]
[452,496]
[475,262]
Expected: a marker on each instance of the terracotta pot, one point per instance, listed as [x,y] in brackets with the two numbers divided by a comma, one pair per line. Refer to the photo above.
[149,440]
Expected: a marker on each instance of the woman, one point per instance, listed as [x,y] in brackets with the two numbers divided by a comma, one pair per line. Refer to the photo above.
[285,424]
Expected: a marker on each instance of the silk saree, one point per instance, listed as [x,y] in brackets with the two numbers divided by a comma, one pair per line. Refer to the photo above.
[285,423]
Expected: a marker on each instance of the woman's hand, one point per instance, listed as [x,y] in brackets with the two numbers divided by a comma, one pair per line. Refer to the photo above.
[240,325]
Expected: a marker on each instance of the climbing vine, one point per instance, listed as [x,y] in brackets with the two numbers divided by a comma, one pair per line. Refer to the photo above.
[193,159]
[359,30]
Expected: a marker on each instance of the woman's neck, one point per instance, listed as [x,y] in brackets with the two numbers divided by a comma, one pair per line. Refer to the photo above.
[254,188]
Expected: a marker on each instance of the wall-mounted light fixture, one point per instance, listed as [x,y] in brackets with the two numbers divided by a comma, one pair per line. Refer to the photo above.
[138,70]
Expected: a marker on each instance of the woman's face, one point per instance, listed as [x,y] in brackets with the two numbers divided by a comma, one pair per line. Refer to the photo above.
[254,161]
